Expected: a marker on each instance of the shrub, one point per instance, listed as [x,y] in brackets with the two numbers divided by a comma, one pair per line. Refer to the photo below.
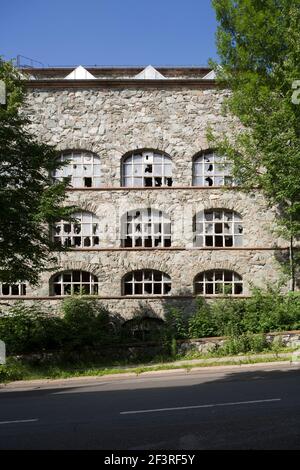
[86,322]
[245,343]
[264,311]
[176,323]
[202,323]
[27,329]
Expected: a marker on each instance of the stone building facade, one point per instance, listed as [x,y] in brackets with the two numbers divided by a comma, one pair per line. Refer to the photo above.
[161,221]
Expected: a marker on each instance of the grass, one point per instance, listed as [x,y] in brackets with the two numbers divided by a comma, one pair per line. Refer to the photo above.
[17,370]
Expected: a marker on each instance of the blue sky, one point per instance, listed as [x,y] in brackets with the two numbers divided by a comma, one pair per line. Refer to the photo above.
[109,32]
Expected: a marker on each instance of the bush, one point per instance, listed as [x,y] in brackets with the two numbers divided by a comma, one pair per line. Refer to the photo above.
[265,311]
[27,329]
[86,323]
[176,324]
[245,343]
[86,326]
[202,323]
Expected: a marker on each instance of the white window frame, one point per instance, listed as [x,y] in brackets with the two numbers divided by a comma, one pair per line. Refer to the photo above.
[146,282]
[211,169]
[8,290]
[218,228]
[84,233]
[83,169]
[147,228]
[76,286]
[147,169]
[218,282]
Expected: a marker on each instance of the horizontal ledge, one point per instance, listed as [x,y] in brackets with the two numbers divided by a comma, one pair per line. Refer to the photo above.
[121,83]
[214,338]
[251,248]
[124,297]
[133,69]
[159,188]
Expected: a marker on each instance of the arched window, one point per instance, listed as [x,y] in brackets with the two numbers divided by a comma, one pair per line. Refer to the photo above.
[147,168]
[146,228]
[218,282]
[13,289]
[82,233]
[218,228]
[146,282]
[83,169]
[74,282]
[210,169]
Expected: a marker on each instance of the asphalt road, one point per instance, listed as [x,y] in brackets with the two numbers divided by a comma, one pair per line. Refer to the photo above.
[252,408]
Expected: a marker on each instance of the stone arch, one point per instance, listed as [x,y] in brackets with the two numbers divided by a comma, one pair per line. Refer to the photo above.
[204,151]
[72,265]
[88,206]
[143,263]
[213,265]
[216,206]
[77,147]
[143,327]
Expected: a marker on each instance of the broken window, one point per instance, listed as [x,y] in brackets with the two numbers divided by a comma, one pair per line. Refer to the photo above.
[146,228]
[218,282]
[146,282]
[218,228]
[87,182]
[82,168]
[83,232]
[13,289]
[74,282]
[148,169]
[210,169]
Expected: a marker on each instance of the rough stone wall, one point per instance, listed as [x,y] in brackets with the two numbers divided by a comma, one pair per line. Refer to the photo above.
[114,121]
[289,339]
[111,122]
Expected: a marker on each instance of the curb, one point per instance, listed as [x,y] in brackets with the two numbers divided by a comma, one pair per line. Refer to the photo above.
[44,384]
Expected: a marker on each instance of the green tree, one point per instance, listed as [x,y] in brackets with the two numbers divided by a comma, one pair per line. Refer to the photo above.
[258,43]
[29,200]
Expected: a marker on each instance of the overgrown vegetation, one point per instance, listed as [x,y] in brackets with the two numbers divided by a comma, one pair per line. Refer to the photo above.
[264,312]
[86,336]
[85,325]
[258,43]
[29,199]
[17,370]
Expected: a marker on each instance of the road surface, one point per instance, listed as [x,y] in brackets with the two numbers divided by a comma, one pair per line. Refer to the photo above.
[224,408]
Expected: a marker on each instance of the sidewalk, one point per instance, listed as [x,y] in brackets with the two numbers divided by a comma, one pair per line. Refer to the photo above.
[183,367]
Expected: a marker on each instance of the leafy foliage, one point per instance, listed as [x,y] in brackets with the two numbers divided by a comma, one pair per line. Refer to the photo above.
[85,324]
[29,200]
[259,44]
[263,312]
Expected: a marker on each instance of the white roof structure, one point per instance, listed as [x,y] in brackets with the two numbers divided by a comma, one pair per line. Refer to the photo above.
[80,73]
[210,76]
[149,73]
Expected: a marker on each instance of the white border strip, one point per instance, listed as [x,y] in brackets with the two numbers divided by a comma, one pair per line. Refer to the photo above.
[179,408]
[19,421]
